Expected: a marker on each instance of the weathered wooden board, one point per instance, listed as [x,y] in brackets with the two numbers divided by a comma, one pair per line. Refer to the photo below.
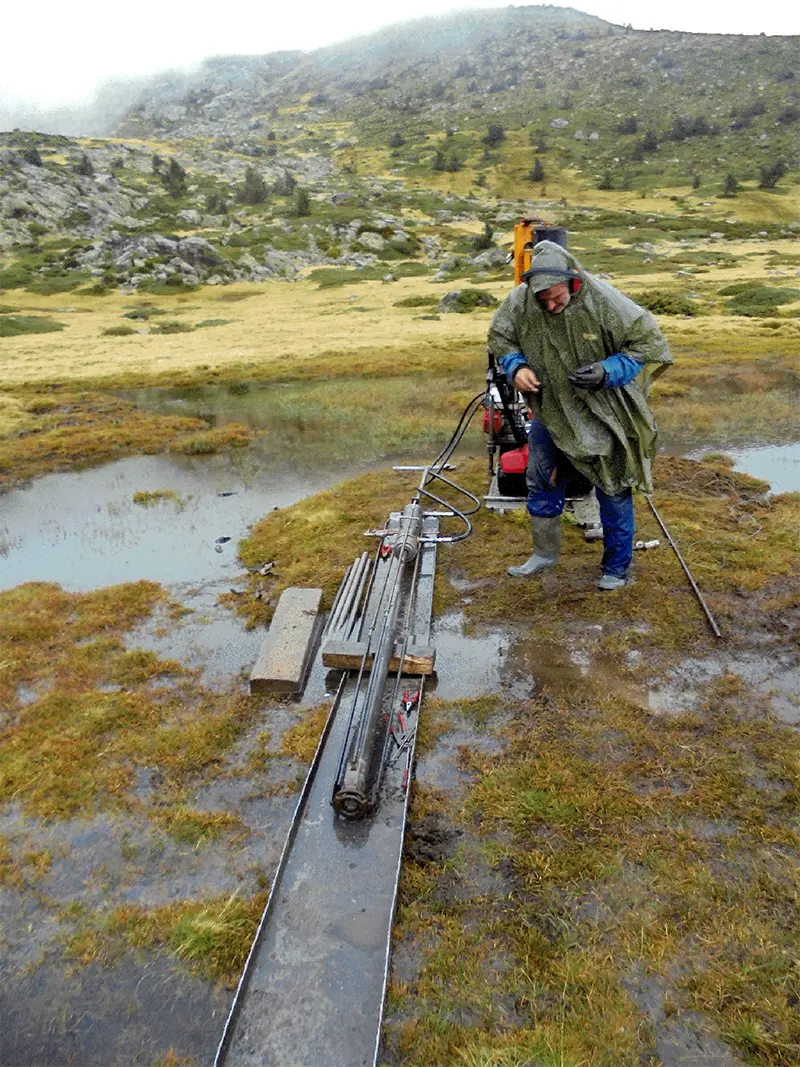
[348,655]
[286,652]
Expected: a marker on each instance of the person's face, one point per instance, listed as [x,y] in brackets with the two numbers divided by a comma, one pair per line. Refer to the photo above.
[554,299]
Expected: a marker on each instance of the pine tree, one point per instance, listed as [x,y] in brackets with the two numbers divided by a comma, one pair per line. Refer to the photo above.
[254,188]
[174,180]
[537,174]
[284,186]
[302,201]
[731,187]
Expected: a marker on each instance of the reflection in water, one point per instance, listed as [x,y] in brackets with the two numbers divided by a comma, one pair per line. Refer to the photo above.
[83,529]
[777,464]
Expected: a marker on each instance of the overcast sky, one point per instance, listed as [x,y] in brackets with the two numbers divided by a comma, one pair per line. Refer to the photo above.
[57,53]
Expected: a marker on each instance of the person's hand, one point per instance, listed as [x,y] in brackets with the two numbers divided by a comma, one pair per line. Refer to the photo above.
[526,381]
[592,376]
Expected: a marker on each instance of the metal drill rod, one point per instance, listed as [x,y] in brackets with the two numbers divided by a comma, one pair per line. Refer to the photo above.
[353,760]
[711,621]
[363,665]
[402,655]
[353,614]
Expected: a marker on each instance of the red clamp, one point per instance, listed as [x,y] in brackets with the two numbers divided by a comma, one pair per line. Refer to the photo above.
[385,551]
[410,699]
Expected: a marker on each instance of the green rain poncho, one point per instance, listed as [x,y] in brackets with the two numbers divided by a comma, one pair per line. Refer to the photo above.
[608,435]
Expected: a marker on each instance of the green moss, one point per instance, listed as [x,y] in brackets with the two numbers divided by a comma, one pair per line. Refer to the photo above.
[118,331]
[17,325]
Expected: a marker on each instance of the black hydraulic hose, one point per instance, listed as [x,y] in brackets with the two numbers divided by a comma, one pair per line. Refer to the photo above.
[459,431]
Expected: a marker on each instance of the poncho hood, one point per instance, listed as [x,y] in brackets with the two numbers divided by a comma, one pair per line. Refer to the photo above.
[550,265]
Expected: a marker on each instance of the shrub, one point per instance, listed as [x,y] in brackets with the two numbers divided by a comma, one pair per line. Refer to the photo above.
[253,190]
[537,173]
[16,276]
[172,326]
[755,301]
[416,302]
[463,301]
[16,325]
[57,283]
[494,135]
[212,322]
[118,331]
[396,140]
[33,156]
[665,303]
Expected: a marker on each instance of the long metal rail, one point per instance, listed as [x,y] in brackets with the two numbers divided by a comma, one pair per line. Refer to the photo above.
[314,984]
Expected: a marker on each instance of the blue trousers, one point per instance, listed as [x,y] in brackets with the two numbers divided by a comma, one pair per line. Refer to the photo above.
[546,497]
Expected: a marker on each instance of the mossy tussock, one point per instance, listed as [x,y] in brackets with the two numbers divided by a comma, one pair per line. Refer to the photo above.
[100,711]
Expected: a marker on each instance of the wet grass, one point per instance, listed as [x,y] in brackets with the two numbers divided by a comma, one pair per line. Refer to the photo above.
[44,433]
[603,846]
[608,850]
[620,846]
[211,936]
[96,711]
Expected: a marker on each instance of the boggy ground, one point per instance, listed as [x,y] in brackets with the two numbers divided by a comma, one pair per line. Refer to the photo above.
[602,861]
[599,871]
[604,870]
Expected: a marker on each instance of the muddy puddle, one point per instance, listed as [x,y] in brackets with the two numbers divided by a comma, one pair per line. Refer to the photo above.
[84,529]
[777,464]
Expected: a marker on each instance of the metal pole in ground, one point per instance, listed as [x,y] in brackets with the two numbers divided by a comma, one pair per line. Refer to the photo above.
[711,621]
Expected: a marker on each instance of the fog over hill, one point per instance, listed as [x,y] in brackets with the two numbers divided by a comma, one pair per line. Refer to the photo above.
[504,60]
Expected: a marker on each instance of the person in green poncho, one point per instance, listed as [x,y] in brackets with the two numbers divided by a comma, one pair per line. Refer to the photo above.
[585,356]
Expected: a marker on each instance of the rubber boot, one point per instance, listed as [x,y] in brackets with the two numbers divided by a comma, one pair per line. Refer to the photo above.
[586,510]
[546,546]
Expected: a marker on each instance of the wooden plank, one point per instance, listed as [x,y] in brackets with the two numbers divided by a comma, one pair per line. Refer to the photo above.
[286,652]
[348,655]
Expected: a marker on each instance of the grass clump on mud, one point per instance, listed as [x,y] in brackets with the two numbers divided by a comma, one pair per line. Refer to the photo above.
[17,325]
[233,435]
[68,430]
[96,711]
[148,498]
[212,936]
